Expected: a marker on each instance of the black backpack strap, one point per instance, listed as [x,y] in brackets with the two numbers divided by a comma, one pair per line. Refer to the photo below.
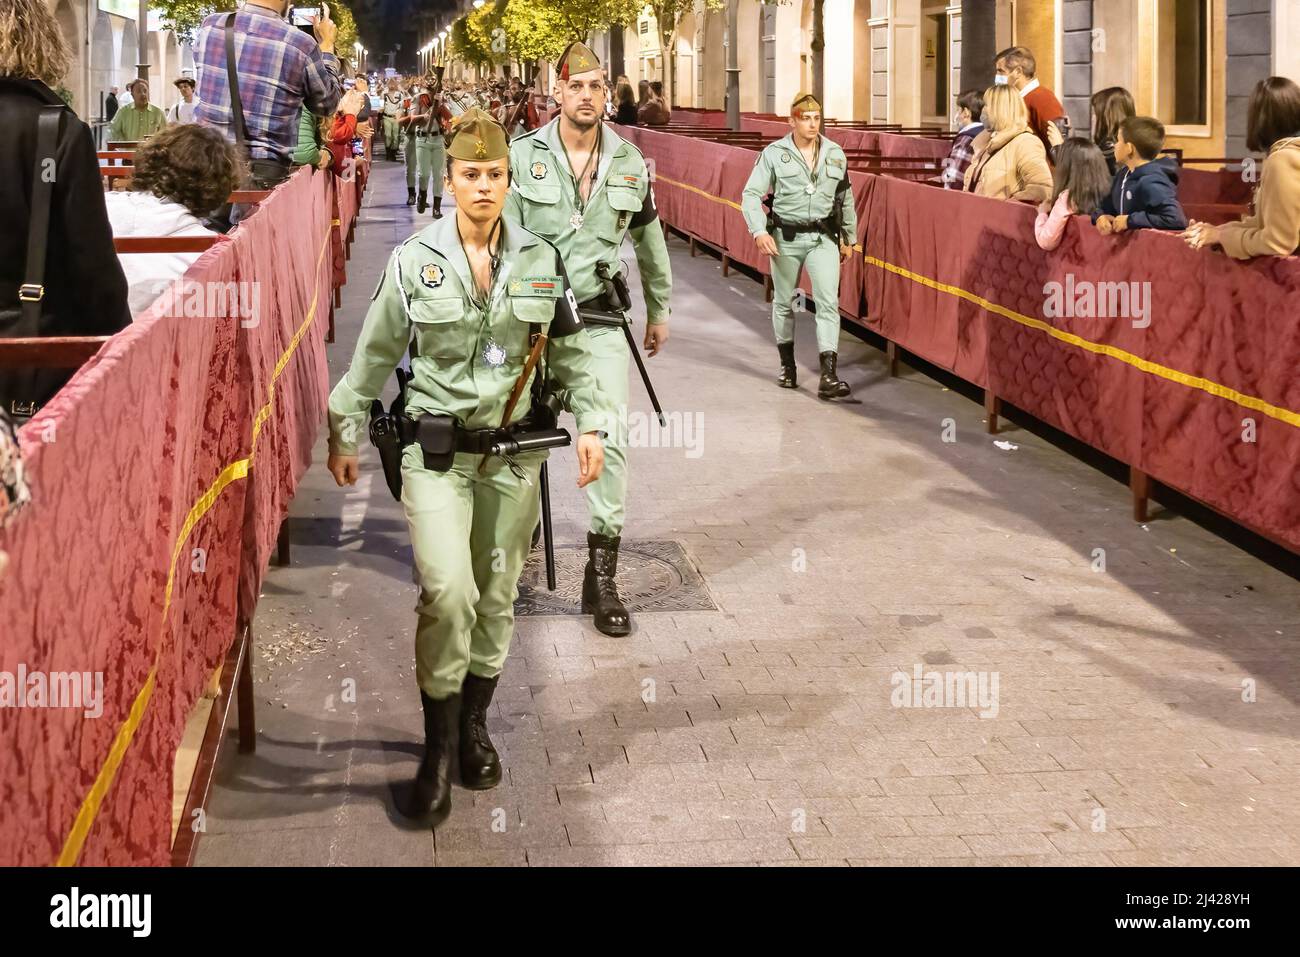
[236,107]
[32,291]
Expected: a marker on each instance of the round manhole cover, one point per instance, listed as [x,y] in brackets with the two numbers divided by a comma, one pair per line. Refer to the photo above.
[652,576]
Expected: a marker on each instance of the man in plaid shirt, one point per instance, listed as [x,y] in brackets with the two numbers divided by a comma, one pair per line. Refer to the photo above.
[969,107]
[281,70]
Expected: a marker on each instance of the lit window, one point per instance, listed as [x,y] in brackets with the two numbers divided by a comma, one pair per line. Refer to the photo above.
[1183,62]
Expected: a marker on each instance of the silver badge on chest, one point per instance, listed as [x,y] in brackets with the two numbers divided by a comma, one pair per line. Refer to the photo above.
[494,355]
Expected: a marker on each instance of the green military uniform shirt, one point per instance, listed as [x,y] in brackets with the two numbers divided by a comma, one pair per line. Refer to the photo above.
[426,289]
[799,195]
[132,125]
[543,196]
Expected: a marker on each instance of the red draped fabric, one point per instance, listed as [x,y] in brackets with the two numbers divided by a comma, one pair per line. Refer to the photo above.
[159,476]
[1193,381]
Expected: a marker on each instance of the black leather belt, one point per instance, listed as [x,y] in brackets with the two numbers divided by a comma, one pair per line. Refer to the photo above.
[602,303]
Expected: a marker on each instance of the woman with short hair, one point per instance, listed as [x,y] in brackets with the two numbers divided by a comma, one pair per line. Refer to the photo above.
[1010,160]
[1272,126]
[82,291]
[182,174]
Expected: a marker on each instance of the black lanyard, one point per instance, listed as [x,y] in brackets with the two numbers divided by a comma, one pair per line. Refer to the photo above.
[594,155]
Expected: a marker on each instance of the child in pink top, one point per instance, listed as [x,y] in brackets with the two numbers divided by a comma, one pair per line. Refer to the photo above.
[1080,182]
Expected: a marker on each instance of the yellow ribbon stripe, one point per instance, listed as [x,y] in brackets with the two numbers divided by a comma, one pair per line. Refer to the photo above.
[233,472]
[1099,348]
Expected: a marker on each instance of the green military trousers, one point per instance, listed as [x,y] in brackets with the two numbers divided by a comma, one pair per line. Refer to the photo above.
[392,134]
[427,156]
[607,496]
[470,532]
[821,256]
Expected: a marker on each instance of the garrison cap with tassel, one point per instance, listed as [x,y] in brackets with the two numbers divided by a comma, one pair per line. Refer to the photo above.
[577,58]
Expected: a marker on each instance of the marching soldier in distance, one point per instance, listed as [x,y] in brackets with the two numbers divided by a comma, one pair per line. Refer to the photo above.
[393,100]
[485,300]
[812,224]
[583,187]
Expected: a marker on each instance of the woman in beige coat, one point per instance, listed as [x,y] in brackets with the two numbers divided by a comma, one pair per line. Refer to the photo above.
[1009,162]
[1272,124]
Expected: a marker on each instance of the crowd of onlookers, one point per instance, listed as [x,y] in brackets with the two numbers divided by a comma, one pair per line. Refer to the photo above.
[1014,142]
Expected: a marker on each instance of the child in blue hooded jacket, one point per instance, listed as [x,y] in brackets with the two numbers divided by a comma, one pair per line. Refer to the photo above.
[1144,194]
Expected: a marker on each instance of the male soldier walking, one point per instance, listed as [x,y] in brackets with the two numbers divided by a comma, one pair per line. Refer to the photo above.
[392,113]
[427,120]
[473,288]
[584,188]
[815,226]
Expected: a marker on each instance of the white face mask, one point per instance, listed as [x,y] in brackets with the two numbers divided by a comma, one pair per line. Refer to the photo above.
[1001,80]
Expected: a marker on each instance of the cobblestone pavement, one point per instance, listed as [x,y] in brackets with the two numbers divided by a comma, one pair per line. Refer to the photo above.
[1144,712]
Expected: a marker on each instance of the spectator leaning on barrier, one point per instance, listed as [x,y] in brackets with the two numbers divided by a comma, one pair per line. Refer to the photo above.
[181,175]
[1144,194]
[183,111]
[1080,182]
[343,130]
[1010,161]
[81,290]
[1015,67]
[970,106]
[311,150]
[139,118]
[1110,108]
[280,70]
[1272,125]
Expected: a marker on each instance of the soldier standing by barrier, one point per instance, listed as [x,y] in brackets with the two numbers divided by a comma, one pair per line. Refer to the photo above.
[581,185]
[815,227]
[486,300]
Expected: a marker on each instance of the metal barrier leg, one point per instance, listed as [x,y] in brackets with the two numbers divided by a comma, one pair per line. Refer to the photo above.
[1140,484]
[992,407]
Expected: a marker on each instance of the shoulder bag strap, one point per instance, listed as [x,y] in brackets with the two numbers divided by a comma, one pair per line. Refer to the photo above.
[236,108]
[32,291]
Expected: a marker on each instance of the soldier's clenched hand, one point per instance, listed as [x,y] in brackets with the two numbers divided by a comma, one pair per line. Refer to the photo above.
[344,468]
[591,458]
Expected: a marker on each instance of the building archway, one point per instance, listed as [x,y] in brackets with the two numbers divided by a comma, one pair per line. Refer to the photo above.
[103,62]
[805,47]
[71,30]
[130,51]
[713,61]
[685,70]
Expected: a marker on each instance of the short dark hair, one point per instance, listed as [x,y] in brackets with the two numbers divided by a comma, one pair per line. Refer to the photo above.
[188,164]
[972,100]
[1145,134]
[657,86]
[183,81]
[1273,113]
[1018,57]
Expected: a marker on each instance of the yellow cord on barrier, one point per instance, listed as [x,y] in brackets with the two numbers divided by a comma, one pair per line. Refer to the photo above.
[1098,348]
[233,472]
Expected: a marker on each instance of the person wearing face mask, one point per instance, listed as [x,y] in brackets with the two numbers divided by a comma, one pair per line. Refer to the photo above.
[279,70]
[970,107]
[1015,67]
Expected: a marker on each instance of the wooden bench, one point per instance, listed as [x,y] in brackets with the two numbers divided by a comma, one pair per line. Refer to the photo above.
[49,352]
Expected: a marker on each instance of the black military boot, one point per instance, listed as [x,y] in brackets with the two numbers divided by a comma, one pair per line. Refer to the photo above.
[430,799]
[599,589]
[437,206]
[421,202]
[789,372]
[831,386]
[480,768]
[410,196]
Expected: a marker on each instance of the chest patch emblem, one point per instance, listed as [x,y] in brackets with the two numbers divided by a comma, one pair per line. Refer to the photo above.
[785,157]
[538,170]
[431,275]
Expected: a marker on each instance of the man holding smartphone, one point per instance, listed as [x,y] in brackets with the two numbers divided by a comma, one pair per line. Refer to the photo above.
[275,64]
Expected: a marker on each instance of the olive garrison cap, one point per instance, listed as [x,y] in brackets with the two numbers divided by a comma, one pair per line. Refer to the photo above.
[805,101]
[577,58]
[477,138]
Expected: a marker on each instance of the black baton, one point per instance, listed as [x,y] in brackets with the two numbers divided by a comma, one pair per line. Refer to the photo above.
[645,376]
[544,480]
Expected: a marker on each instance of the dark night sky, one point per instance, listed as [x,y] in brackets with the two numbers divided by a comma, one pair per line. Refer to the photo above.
[383,23]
